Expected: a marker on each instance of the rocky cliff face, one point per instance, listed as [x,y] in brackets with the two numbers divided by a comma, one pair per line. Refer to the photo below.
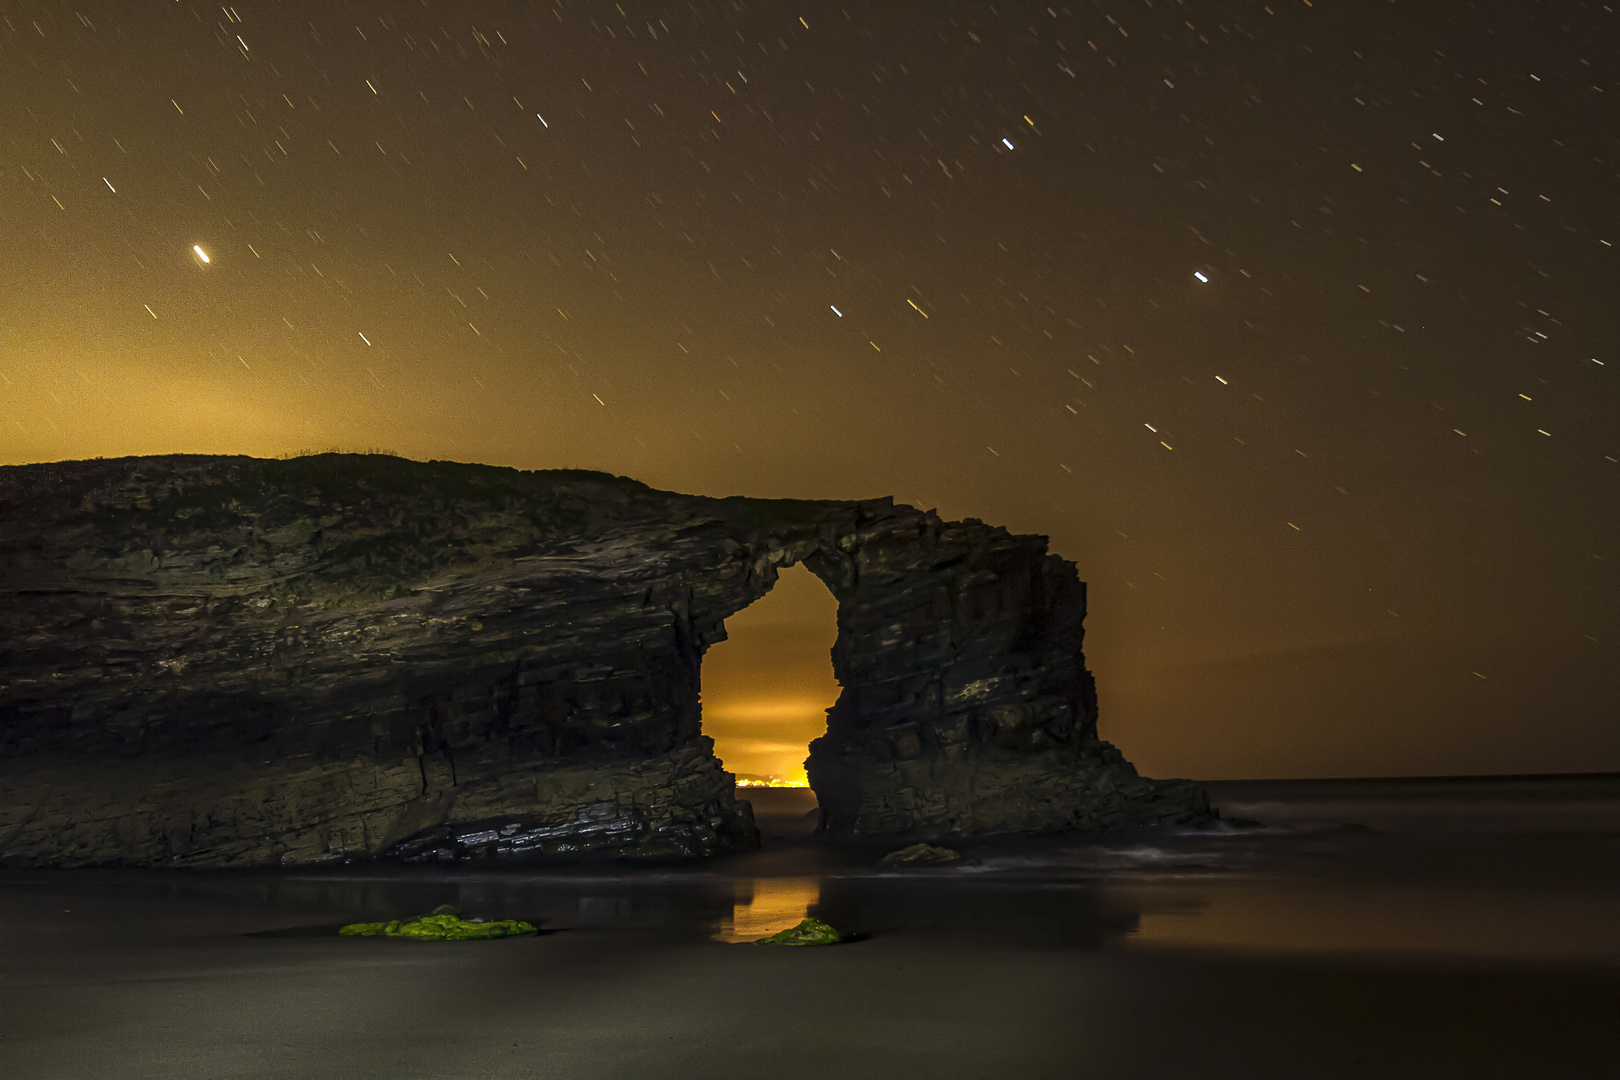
[218,661]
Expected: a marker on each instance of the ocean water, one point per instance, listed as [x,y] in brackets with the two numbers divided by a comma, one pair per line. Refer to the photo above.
[1515,869]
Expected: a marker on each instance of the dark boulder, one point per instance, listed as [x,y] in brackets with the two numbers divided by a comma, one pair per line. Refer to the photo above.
[926,855]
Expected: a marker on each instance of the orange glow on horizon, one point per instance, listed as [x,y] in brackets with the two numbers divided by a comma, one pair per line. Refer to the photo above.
[767,688]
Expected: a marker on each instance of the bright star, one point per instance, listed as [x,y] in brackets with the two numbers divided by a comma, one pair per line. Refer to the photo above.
[201,254]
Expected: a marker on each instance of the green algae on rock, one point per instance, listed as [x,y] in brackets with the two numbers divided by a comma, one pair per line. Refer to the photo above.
[808,932]
[442,925]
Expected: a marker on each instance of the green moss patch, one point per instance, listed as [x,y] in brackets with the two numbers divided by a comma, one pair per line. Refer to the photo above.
[809,932]
[443,925]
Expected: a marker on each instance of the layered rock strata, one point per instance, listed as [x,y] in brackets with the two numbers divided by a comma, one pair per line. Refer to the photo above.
[227,661]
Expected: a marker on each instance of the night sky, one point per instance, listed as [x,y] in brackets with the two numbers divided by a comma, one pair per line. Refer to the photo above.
[1293,325]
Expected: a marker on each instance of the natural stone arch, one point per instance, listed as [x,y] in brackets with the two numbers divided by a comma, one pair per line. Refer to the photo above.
[231,661]
[966,708]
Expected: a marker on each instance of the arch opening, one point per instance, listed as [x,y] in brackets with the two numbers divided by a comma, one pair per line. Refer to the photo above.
[766,689]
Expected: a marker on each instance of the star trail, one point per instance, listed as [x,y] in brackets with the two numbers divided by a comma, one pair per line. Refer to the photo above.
[1293,324]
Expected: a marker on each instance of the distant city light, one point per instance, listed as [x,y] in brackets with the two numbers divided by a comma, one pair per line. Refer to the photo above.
[201,254]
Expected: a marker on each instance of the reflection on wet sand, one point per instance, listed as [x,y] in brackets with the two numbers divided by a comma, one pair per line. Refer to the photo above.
[765,905]
[1347,917]
[1418,887]
[1540,911]
[960,906]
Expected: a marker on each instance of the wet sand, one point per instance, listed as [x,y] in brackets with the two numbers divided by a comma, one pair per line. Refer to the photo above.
[1154,957]
[123,990]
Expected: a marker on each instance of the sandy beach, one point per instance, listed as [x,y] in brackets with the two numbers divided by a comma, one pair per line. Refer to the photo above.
[164,989]
[1179,957]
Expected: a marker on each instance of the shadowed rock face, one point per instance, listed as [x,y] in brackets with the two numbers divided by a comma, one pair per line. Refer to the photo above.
[227,661]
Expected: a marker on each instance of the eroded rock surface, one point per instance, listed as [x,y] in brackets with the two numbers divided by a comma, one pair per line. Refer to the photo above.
[224,661]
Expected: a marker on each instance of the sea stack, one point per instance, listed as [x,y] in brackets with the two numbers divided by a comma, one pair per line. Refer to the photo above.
[230,661]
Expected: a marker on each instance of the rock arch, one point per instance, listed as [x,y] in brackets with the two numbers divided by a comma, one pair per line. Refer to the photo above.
[234,661]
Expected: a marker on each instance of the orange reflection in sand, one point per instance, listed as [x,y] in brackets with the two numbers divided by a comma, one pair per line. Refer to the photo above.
[765,905]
